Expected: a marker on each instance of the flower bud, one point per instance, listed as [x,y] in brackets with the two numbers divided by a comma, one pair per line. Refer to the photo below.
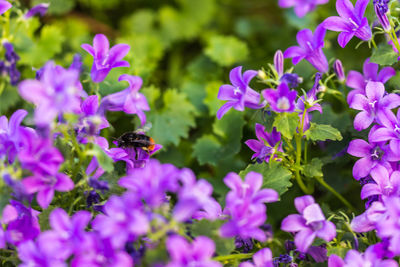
[382,17]
[278,62]
[338,68]
[261,74]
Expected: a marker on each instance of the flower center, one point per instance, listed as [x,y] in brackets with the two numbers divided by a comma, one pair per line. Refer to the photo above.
[49,180]
[396,128]
[310,46]
[316,225]
[388,190]
[354,24]
[283,103]
[236,91]
[372,104]
[377,153]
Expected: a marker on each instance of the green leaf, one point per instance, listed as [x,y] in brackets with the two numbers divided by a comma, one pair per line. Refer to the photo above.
[102,158]
[226,50]
[322,132]
[384,55]
[286,124]
[8,98]
[173,121]
[44,218]
[230,129]
[207,149]
[223,246]
[57,7]
[275,176]
[314,168]
[211,100]
[339,251]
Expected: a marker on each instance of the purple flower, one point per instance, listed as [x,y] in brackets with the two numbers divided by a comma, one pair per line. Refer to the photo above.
[309,224]
[245,206]
[152,182]
[40,9]
[239,94]
[291,79]
[123,220]
[104,58]
[9,66]
[301,7]
[24,226]
[382,4]
[366,221]
[66,234]
[35,254]
[4,6]
[386,184]
[351,21]
[282,99]
[339,71]
[390,130]
[10,135]
[310,100]
[265,145]
[56,93]
[279,62]
[358,81]
[382,17]
[374,155]
[199,253]
[262,258]
[45,185]
[195,199]
[373,105]
[129,100]
[310,49]
[356,259]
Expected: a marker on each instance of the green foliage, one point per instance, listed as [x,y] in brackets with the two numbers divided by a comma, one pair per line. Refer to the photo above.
[314,168]
[211,100]
[384,55]
[223,246]
[57,7]
[9,97]
[207,149]
[275,175]
[226,50]
[322,132]
[102,158]
[286,124]
[44,218]
[173,120]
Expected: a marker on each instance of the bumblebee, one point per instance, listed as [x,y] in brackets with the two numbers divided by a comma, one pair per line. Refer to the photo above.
[136,140]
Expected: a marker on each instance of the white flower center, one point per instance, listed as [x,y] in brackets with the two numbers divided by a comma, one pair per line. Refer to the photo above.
[283,103]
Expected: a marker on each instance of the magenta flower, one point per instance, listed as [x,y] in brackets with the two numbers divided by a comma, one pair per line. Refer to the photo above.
[199,253]
[35,254]
[10,135]
[309,100]
[239,94]
[309,224]
[374,155]
[45,185]
[310,49]
[4,6]
[390,130]
[56,93]
[351,21]
[123,220]
[245,206]
[262,258]
[373,105]
[339,70]
[301,7]
[129,100]
[104,58]
[265,145]
[356,259]
[387,184]
[366,221]
[358,81]
[40,9]
[281,99]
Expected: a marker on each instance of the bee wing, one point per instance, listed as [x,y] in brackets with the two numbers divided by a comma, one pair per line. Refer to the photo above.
[145,128]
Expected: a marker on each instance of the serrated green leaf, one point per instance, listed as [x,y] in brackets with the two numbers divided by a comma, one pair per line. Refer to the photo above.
[173,121]
[384,55]
[322,132]
[230,129]
[275,176]
[211,100]
[226,50]
[314,168]
[286,124]
[207,149]
[341,252]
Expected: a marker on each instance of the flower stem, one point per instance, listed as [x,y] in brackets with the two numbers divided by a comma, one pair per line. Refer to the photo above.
[374,44]
[394,38]
[333,191]
[232,257]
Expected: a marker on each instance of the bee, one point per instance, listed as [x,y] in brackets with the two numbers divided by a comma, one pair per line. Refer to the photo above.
[136,139]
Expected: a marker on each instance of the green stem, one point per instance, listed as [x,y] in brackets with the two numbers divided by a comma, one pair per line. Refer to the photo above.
[233,257]
[393,37]
[374,44]
[333,191]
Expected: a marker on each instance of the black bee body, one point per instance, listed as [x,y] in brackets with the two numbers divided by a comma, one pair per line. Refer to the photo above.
[135,140]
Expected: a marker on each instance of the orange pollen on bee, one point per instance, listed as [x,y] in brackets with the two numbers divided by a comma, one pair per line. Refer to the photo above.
[152,145]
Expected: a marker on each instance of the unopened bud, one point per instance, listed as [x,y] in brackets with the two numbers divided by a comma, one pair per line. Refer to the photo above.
[278,62]
[338,68]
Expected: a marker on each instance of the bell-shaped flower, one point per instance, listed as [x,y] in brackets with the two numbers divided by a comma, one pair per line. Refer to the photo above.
[4,6]
[356,259]
[387,184]
[40,9]
[373,105]
[366,221]
[301,7]
[104,58]
[281,99]
[262,258]
[351,21]
[265,145]
[390,130]
[239,95]
[198,253]
[310,49]
[129,100]
[371,72]
[309,224]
